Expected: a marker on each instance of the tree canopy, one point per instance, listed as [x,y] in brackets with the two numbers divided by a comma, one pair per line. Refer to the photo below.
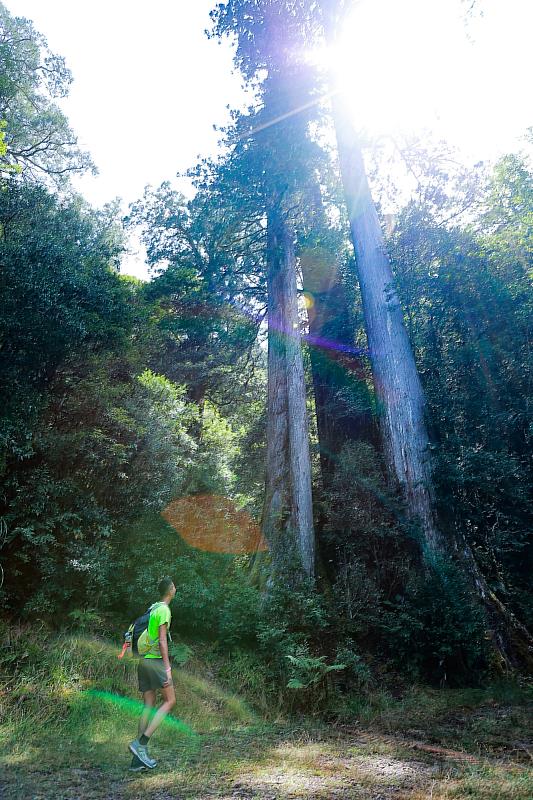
[40,142]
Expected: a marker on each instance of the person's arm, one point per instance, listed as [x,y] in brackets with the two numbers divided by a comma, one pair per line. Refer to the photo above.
[163,646]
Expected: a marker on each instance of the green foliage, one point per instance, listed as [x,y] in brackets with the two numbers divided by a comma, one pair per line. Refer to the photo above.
[56,281]
[435,631]
[308,671]
[212,469]
[360,507]
[105,452]
[203,255]
[179,653]
[368,542]
[427,626]
[302,646]
[356,672]
[5,165]
[467,296]
[266,33]
[247,672]
[239,615]
[85,620]
[291,633]
[215,600]
[40,143]
[248,422]
[119,397]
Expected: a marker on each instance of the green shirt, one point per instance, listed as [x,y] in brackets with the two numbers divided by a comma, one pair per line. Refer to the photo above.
[159,615]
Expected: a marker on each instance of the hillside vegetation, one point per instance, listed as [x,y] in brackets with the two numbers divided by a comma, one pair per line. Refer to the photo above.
[69,708]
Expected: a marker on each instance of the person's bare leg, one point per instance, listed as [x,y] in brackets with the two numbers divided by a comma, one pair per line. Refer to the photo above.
[149,703]
[149,698]
[169,701]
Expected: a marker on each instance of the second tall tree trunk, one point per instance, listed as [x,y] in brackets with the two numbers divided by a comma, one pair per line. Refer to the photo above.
[399,391]
[288,510]
[397,384]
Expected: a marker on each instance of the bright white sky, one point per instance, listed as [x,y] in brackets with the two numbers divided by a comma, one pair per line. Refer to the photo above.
[148,85]
[424,64]
[148,88]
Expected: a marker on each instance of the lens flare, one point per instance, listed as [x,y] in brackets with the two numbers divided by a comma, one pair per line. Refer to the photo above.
[135,708]
[309,300]
[213,524]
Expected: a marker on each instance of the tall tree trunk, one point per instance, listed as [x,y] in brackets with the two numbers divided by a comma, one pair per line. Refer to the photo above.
[399,393]
[288,509]
[398,389]
[401,398]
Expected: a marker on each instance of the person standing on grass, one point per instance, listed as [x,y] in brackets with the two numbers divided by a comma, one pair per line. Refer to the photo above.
[154,673]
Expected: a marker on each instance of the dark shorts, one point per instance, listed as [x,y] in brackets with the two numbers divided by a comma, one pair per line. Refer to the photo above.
[151,673]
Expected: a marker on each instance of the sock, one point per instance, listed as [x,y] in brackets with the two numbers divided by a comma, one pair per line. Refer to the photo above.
[144,739]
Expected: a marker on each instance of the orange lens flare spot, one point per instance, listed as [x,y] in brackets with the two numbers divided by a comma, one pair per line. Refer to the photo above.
[309,300]
[213,524]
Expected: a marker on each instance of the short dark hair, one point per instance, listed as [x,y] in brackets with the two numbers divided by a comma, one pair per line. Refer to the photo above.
[164,585]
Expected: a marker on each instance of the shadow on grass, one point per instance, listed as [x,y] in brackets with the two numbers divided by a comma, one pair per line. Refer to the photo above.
[69,717]
[255,762]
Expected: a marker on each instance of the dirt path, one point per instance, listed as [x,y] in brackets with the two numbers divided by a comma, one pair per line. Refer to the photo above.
[285,764]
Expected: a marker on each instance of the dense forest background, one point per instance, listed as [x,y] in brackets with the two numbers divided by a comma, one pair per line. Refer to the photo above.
[240,379]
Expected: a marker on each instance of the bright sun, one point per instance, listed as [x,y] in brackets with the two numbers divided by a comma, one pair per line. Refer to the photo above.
[398,63]
[409,65]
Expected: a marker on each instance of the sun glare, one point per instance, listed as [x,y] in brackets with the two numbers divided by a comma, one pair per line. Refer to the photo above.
[393,65]
[419,64]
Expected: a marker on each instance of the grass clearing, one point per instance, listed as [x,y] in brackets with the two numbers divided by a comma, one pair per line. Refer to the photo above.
[68,709]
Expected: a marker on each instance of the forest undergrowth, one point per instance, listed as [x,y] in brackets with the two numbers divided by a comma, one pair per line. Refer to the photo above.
[69,708]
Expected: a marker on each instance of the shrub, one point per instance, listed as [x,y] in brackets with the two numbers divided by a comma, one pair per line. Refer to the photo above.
[435,630]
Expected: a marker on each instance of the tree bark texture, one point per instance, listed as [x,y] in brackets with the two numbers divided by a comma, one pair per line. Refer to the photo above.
[397,384]
[288,509]
[401,398]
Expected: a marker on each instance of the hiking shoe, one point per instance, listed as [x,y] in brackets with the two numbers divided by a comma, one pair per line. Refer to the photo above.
[137,765]
[141,752]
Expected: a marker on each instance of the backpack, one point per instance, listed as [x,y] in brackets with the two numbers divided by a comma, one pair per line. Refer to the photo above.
[138,630]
